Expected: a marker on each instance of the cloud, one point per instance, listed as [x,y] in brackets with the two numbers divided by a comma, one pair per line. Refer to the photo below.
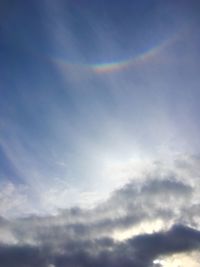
[128,207]
[21,256]
[178,239]
[153,216]
[137,251]
[14,200]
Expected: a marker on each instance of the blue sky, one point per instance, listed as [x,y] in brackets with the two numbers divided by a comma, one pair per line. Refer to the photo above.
[97,96]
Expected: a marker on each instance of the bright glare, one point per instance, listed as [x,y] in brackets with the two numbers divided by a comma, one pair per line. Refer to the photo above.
[144,227]
[179,260]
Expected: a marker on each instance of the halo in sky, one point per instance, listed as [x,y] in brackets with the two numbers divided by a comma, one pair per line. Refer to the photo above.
[120,65]
[138,59]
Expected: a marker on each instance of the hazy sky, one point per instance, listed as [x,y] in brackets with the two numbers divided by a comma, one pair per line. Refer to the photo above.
[99,133]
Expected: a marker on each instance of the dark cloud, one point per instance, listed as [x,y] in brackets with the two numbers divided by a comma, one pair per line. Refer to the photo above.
[20,256]
[178,239]
[137,251]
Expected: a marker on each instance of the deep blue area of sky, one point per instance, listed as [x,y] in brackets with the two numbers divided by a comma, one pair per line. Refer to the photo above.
[30,82]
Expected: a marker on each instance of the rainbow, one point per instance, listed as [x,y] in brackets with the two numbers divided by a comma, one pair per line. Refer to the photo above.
[101,68]
[139,59]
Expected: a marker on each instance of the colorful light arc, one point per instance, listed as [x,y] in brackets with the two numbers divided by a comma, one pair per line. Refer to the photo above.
[101,68]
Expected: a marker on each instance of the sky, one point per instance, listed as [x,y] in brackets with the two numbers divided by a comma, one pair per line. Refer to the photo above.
[99,133]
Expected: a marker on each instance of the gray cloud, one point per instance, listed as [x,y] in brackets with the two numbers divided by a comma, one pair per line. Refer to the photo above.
[137,251]
[127,207]
[88,237]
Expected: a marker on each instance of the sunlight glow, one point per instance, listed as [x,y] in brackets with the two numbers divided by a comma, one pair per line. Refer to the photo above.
[179,260]
[144,227]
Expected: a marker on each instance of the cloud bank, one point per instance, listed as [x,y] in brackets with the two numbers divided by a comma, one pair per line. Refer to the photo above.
[150,218]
